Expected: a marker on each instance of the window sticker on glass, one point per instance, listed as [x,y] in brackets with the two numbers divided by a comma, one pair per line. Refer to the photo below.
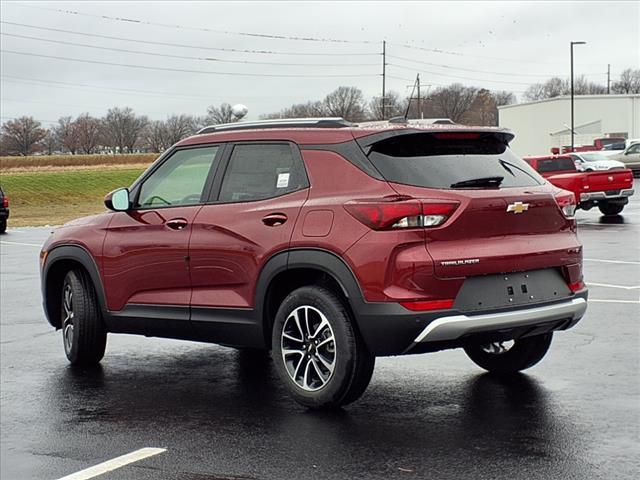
[283,180]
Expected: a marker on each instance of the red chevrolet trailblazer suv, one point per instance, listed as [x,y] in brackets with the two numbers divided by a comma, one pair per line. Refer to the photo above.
[328,244]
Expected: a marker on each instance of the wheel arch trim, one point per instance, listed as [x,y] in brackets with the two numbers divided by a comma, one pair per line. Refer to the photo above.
[76,253]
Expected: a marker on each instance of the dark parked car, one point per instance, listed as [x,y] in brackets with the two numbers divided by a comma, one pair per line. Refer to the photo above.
[4,211]
[329,245]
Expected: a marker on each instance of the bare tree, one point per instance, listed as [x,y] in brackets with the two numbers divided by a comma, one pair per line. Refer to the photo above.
[300,110]
[221,114]
[89,132]
[629,82]
[346,102]
[394,106]
[66,134]
[161,134]
[453,101]
[179,127]
[22,136]
[555,86]
[50,142]
[122,129]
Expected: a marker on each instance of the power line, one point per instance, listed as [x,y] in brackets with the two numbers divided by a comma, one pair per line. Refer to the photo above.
[202,29]
[123,91]
[459,77]
[182,45]
[509,74]
[184,57]
[181,70]
[460,54]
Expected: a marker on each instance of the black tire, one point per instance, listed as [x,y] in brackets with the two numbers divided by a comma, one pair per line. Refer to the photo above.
[607,208]
[523,354]
[3,225]
[352,364]
[85,342]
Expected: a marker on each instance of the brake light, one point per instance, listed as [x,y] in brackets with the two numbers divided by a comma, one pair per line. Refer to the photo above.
[457,136]
[574,287]
[424,305]
[567,203]
[399,214]
[5,202]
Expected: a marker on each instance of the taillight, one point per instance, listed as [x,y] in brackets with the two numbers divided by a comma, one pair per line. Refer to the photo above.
[399,214]
[574,287]
[5,202]
[567,203]
[424,305]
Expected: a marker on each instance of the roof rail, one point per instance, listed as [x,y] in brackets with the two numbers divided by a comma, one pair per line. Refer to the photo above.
[327,122]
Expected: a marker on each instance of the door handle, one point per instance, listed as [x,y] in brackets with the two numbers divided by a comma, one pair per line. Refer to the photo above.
[177,223]
[274,219]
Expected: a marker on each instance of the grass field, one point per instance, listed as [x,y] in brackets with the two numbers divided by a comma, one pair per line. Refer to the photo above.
[51,197]
[55,161]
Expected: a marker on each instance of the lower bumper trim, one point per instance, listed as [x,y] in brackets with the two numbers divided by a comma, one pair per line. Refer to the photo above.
[456,326]
[588,196]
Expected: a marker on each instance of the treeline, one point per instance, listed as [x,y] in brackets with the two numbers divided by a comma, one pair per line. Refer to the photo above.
[119,131]
[122,131]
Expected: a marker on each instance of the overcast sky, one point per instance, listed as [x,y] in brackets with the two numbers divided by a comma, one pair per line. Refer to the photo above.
[516,43]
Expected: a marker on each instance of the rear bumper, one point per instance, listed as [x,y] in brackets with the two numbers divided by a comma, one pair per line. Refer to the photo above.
[389,329]
[595,196]
[457,326]
[4,214]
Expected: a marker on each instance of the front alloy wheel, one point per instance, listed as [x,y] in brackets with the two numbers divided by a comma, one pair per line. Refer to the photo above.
[67,321]
[84,335]
[308,348]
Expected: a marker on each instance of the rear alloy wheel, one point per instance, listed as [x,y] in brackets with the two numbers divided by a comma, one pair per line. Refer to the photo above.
[509,356]
[83,333]
[608,208]
[317,352]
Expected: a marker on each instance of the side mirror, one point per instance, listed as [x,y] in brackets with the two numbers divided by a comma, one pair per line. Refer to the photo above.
[118,200]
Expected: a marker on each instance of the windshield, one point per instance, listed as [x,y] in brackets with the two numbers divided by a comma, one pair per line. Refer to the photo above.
[426,160]
[593,157]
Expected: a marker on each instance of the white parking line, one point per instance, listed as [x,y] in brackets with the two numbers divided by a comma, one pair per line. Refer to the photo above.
[610,261]
[607,285]
[114,463]
[20,243]
[598,300]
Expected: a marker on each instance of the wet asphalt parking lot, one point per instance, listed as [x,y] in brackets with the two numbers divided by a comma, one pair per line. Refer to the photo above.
[217,413]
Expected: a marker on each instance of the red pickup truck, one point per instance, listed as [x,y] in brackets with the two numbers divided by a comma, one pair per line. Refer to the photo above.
[609,190]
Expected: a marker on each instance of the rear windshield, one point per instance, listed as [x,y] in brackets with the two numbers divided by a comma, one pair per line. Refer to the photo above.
[555,165]
[424,160]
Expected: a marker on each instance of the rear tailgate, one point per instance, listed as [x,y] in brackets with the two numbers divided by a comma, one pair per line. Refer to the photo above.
[608,181]
[482,237]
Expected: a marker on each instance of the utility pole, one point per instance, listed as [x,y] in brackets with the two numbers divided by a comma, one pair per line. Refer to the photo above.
[573,132]
[419,99]
[608,78]
[384,78]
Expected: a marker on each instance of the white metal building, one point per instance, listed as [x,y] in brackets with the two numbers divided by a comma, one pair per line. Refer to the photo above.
[544,124]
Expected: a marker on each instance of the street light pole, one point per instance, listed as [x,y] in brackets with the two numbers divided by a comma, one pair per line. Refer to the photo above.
[572,122]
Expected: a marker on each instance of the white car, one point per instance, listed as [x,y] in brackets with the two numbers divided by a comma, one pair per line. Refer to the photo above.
[592,161]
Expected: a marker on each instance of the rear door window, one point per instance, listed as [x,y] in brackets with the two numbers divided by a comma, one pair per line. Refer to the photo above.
[440,161]
[546,165]
[260,171]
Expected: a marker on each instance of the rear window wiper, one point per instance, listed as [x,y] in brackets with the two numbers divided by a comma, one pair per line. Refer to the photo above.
[479,182]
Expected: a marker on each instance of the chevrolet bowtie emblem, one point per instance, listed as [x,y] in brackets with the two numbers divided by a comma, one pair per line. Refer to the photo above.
[517,207]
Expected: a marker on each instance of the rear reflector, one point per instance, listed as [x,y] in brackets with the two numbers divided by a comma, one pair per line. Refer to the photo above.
[566,202]
[425,305]
[574,287]
[399,214]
